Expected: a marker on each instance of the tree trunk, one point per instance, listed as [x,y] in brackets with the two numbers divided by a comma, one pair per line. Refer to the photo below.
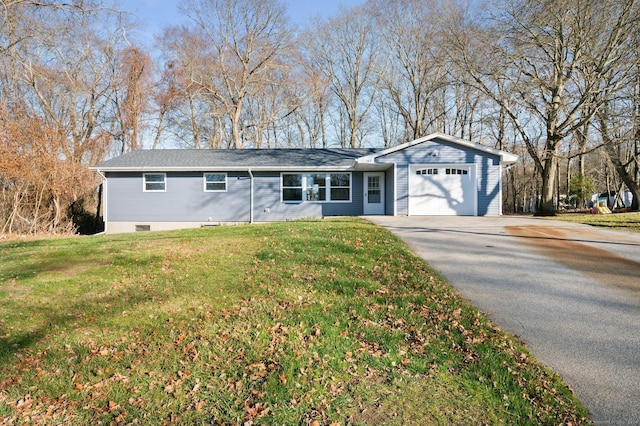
[546,207]
[621,169]
[96,221]
[626,177]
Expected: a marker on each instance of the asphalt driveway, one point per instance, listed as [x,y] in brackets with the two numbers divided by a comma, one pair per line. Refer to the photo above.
[571,292]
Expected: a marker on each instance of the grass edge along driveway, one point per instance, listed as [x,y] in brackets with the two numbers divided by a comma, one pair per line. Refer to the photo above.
[321,322]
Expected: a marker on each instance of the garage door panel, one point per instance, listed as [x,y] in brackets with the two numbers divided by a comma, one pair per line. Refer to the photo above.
[442,190]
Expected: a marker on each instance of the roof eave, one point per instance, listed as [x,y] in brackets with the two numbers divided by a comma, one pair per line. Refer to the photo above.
[224,168]
[505,157]
[509,159]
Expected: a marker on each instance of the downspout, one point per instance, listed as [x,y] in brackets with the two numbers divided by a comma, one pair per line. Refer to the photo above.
[250,196]
[104,200]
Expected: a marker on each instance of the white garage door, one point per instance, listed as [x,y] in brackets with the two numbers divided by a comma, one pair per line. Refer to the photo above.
[442,190]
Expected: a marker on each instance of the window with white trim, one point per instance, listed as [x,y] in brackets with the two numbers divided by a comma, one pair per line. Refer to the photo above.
[154,182]
[316,187]
[340,186]
[292,187]
[215,182]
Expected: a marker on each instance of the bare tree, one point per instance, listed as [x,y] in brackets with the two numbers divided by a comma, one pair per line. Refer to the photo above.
[164,94]
[66,74]
[618,123]
[36,185]
[132,87]
[313,114]
[415,66]
[546,63]
[346,51]
[242,49]
[57,82]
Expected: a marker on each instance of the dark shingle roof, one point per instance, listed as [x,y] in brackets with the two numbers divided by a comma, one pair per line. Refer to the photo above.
[231,158]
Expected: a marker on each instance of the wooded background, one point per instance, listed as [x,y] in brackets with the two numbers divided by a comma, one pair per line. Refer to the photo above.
[554,81]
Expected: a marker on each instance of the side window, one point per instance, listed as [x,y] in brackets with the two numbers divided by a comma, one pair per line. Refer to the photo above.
[155,182]
[215,182]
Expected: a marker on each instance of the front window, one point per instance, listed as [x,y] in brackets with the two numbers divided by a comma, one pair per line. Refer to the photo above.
[215,182]
[341,187]
[292,187]
[316,187]
[155,182]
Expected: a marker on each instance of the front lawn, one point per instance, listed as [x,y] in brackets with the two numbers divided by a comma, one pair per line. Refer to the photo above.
[320,322]
[621,221]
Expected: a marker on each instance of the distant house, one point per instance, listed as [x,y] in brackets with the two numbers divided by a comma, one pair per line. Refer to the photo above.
[181,188]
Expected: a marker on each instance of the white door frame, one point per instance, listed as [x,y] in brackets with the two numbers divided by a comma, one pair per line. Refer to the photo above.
[377,207]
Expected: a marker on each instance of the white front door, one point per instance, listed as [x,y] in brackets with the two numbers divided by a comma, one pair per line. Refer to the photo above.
[374,193]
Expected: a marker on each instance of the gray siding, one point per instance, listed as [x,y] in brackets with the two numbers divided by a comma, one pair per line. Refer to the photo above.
[186,201]
[488,171]
[268,207]
[489,187]
[389,191]
[402,189]
[183,201]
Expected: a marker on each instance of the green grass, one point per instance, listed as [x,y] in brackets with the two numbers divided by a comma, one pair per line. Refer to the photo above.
[621,221]
[323,322]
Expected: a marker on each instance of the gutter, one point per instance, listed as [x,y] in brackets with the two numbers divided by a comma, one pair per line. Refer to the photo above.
[226,169]
[250,196]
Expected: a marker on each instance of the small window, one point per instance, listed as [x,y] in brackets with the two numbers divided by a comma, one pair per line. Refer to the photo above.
[155,182]
[215,182]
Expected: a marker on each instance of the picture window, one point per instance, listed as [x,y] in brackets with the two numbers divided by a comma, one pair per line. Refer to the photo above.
[316,187]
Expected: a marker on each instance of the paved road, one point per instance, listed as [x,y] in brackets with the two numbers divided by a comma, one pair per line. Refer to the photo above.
[571,292]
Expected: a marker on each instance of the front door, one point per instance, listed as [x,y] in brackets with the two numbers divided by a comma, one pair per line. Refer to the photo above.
[374,193]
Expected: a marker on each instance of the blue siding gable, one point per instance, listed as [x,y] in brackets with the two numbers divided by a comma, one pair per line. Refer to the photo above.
[439,151]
